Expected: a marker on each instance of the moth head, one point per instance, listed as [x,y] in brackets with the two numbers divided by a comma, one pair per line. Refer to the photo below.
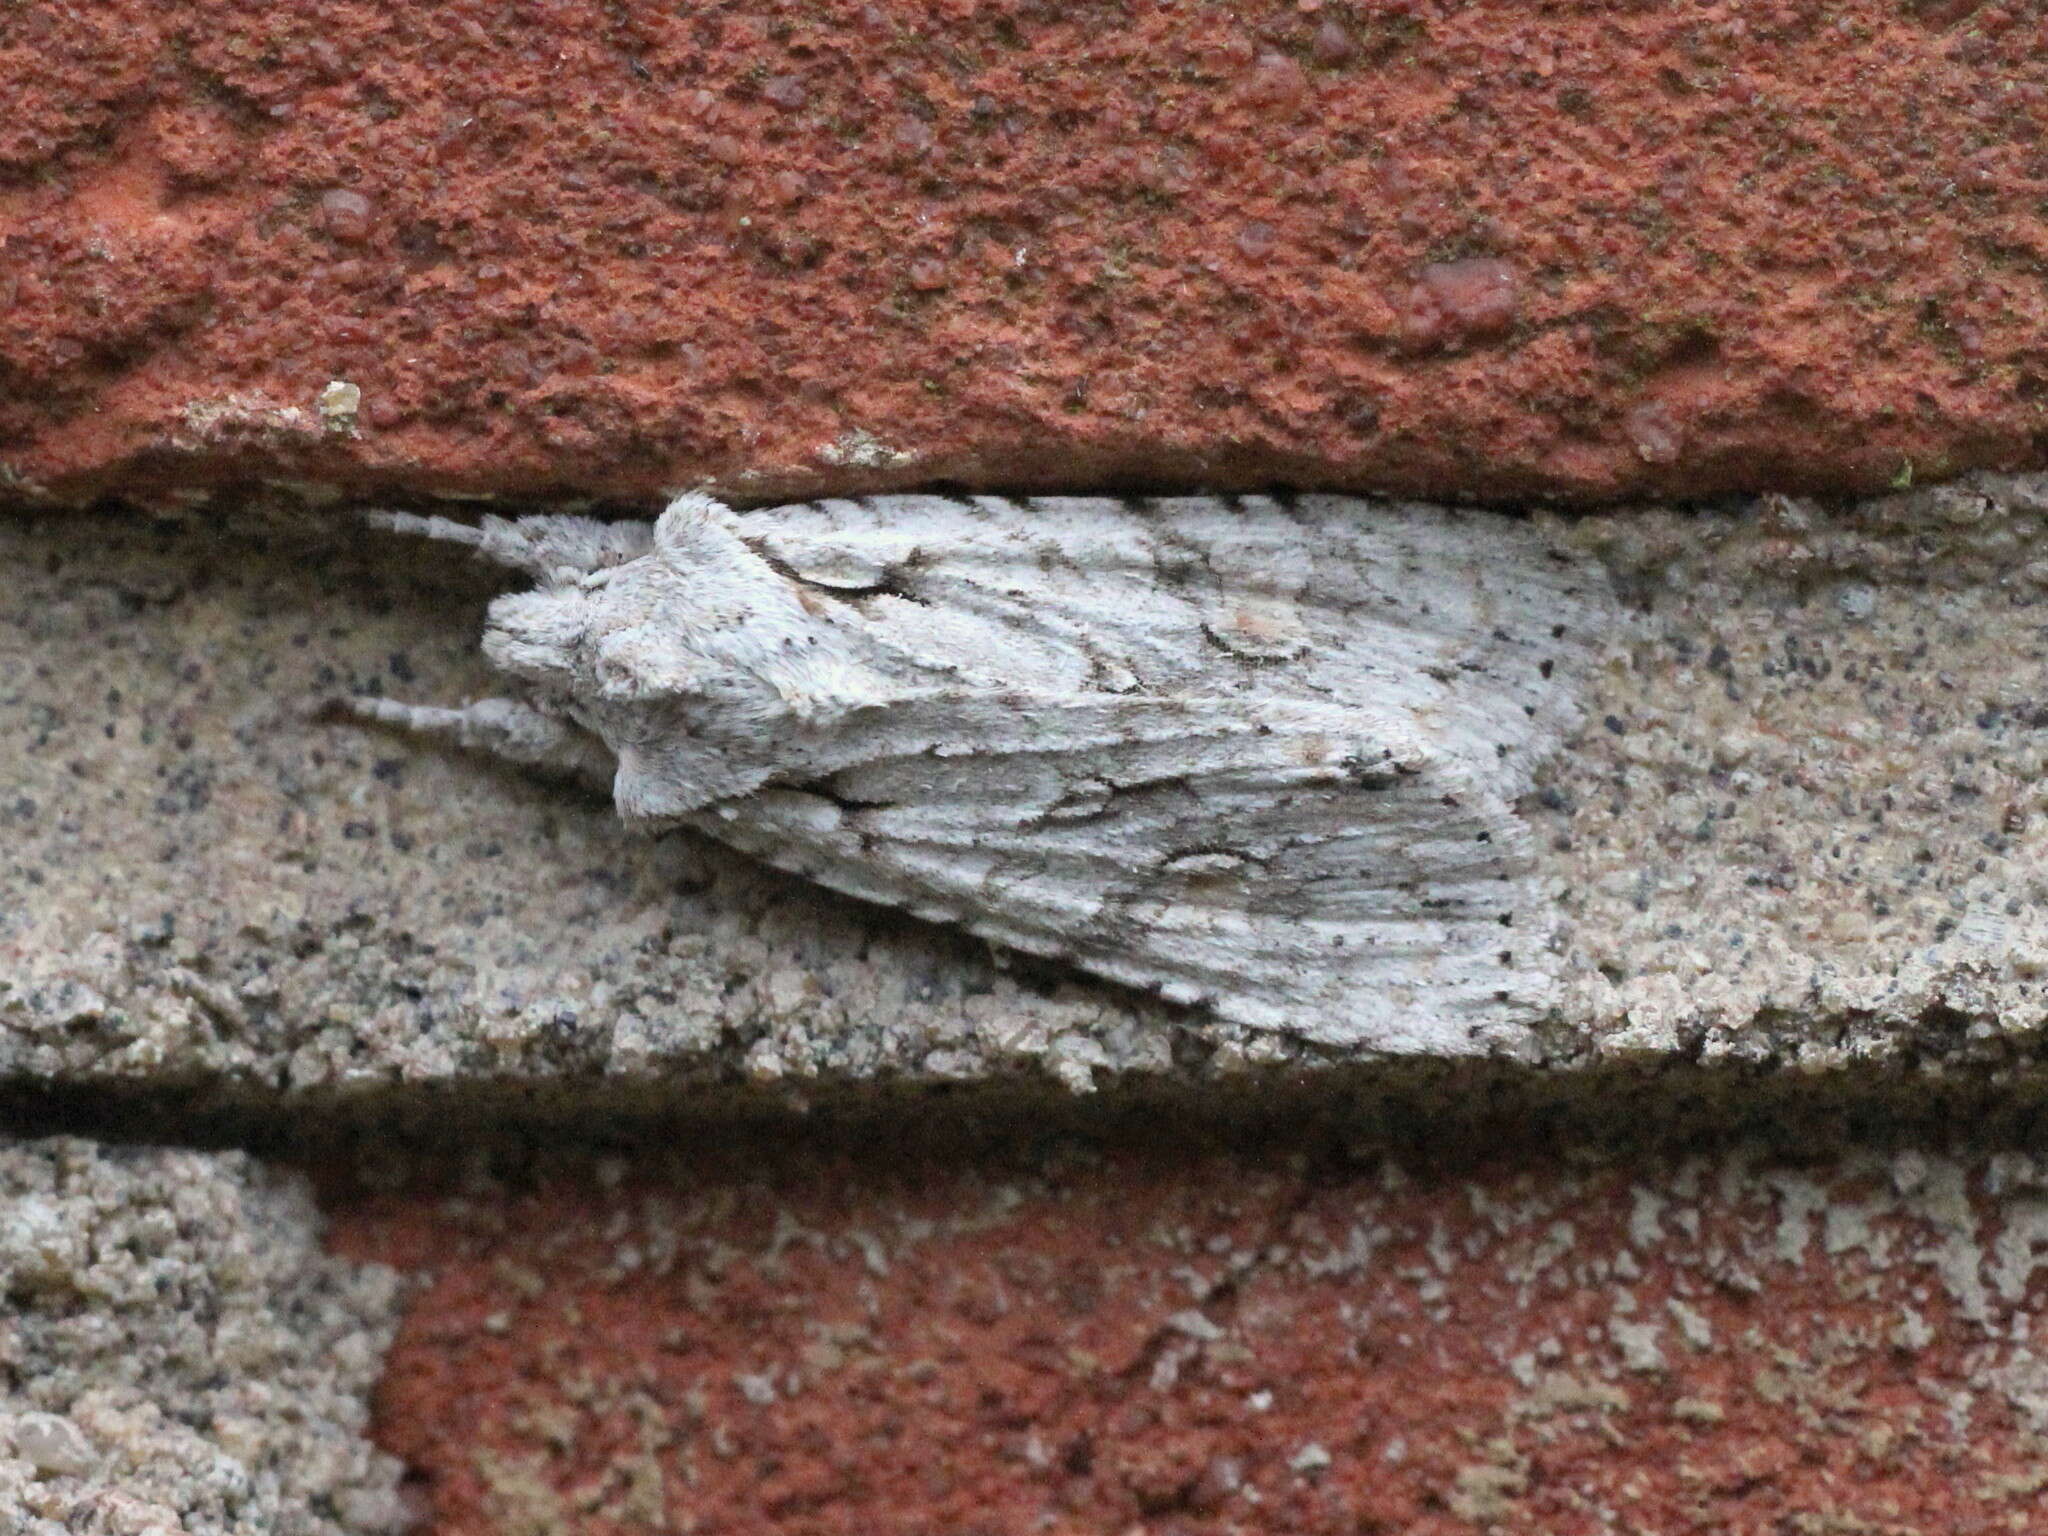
[584,641]
[701,625]
[536,636]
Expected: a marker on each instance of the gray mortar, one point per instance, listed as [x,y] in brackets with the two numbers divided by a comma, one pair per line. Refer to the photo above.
[1807,820]
[1803,822]
[177,1356]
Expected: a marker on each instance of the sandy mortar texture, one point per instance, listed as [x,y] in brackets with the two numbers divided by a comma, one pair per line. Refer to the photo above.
[178,1357]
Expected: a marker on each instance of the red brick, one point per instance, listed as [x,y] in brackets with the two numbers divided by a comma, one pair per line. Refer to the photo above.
[1193,1343]
[572,245]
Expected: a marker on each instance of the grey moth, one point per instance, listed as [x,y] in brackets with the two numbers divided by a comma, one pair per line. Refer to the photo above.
[1254,756]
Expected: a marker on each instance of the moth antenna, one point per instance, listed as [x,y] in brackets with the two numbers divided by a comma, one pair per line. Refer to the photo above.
[503,728]
[551,548]
[428,719]
[495,538]
[445,529]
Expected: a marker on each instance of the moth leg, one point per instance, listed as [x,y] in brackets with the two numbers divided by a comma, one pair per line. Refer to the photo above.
[447,530]
[504,728]
[545,545]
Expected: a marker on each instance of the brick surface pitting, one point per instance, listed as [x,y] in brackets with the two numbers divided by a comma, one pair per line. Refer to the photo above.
[1453,248]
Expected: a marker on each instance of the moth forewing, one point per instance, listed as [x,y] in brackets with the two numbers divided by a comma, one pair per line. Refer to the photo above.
[1255,757]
